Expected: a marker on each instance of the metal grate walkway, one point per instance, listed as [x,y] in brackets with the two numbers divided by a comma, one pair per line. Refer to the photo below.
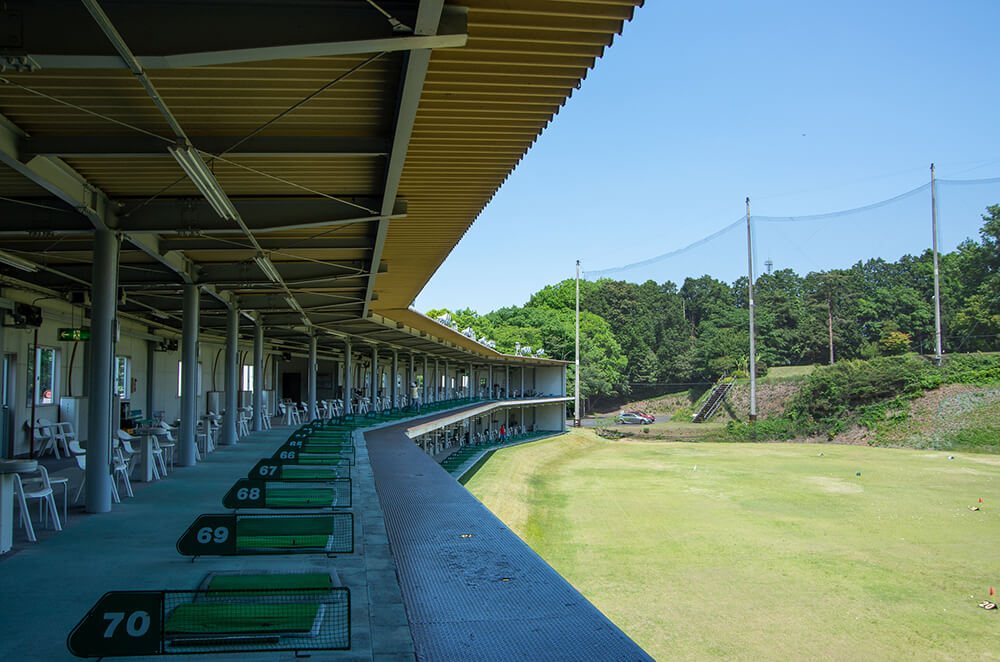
[472,589]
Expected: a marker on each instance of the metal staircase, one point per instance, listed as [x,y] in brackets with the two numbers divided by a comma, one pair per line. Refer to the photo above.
[719,393]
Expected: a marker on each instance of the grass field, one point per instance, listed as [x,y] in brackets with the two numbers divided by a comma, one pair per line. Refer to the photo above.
[779,373]
[764,551]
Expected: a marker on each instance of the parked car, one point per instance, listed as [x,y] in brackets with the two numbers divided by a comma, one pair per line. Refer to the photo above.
[631,418]
[649,417]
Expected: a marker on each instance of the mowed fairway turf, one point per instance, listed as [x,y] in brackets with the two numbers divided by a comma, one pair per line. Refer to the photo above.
[765,551]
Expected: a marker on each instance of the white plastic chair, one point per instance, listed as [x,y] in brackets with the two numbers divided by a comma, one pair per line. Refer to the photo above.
[50,436]
[158,455]
[39,489]
[203,438]
[65,434]
[121,469]
[242,423]
[167,443]
[57,481]
[129,452]
[214,424]
[81,464]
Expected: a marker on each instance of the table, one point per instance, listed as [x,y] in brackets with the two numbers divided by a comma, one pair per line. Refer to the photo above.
[146,458]
[7,470]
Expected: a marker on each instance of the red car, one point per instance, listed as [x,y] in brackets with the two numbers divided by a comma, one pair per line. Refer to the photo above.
[648,417]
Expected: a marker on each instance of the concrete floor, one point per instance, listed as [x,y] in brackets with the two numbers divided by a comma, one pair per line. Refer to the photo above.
[47,587]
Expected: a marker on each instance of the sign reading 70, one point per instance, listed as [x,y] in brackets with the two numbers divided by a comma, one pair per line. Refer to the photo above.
[121,623]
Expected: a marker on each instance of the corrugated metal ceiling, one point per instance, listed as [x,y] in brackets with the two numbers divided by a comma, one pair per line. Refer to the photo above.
[481,106]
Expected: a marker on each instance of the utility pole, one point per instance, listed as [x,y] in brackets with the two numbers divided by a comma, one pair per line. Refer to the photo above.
[576,378]
[937,282]
[753,348]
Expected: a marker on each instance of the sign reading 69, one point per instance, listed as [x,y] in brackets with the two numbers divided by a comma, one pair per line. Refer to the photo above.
[209,535]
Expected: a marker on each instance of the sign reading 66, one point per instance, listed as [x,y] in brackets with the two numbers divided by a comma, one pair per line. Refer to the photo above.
[209,535]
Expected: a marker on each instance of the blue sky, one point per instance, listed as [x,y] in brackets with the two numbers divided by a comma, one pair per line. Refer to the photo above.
[805,107]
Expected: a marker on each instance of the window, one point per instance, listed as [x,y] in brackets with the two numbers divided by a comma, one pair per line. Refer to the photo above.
[247,378]
[43,375]
[123,370]
[180,373]
[6,380]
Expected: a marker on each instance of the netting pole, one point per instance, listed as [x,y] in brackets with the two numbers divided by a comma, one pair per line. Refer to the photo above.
[937,283]
[753,349]
[576,378]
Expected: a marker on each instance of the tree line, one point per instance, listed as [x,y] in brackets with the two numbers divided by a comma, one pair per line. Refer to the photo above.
[661,334]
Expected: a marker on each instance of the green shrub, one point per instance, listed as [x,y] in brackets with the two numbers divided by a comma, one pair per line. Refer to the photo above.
[832,391]
[875,394]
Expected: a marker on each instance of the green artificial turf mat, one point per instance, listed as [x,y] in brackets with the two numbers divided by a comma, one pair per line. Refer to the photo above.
[325,460]
[308,472]
[304,581]
[283,526]
[282,541]
[293,497]
[216,618]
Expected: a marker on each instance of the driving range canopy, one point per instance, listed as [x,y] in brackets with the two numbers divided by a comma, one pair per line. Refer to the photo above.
[311,163]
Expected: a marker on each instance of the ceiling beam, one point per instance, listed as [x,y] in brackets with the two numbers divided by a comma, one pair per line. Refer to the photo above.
[43,216]
[73,189]
[57,178]
[428,22]
[286,246]
[55,35]
[193,216]
[150,146]
[173,260]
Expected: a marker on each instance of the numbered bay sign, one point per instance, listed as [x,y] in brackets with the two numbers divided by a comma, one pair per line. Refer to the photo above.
[291,470]
[210,535]
[121,623]
[327,456]
[278,494]
[246,493]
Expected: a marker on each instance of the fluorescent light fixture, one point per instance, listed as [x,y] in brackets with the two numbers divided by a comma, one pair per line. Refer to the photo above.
[194,167]
[17,262]
[268,268]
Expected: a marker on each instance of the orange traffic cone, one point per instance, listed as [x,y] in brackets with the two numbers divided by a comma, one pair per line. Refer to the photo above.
[980,499]
[992,592]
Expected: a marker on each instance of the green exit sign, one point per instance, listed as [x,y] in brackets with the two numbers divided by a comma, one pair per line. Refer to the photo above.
[74,334]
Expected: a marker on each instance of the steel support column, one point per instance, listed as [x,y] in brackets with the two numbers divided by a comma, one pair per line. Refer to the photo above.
[375,380]
[506,382]
[489,384]
[394,391]
[347,377]
[411,378]
[150,377]
[312,369]
[232,382]
[424,399]
[101,419]
[189,376]
[447,380]
[258,377]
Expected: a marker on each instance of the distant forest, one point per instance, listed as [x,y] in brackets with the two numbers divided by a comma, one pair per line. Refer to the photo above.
[653,335]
